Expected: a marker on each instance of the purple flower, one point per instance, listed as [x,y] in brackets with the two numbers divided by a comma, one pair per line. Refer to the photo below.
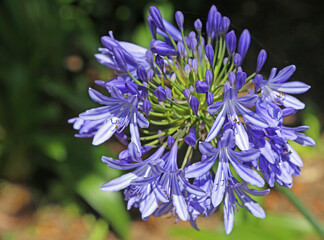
[132,55]
[142,190]
[174,182]
[183,74]
[226,155]
[117,113]
[275,89]
[228,109]
[231,202]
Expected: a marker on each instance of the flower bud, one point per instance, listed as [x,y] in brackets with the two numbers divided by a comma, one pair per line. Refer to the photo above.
[208,77]
[163,49]
[181,49]
[160,62]
[150,74]
[170,141]
[262,57]
[244,43]
[230,40]
[209,98]
[231,78]
[237,60]
[141,73]
[194,104]
[109,43]
[120,59]
[143,91]
[193,44]
[192,34]
[157,18]
[210,20]
[217,23]
[168,93]
[179,19]
[225,25]
[187,69]
[209,51]
[201,87]
[198,25]
[146,106]
[152,26]
[149,56]
[131,87]
[160,93]
[190,139]
[240,80]
[186,93]
[195,65]
[257,82]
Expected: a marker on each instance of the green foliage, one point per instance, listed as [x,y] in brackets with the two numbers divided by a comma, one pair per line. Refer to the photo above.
[109,205]
[39,91]
[279,227]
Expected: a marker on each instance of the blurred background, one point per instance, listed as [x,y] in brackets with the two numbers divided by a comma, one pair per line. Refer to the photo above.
[49,180]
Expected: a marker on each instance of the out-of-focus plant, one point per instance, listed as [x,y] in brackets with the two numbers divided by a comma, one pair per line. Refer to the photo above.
[44,69]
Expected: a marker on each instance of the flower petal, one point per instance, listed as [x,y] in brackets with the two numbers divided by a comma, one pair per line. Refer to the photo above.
[215,107]
[251,116]
[284,74]
[245,156]
[117,164]
[241,137]
[192,188]
[199,168]
[178,200]
[255,209]
[207,149]
[290,101]
[142,121]
[293,87]
[228,214]
[294,157]
[121,182]
[102,99]
[247,173]
[219,186]
[104,133]
[150,204]
[217,125]
[248,100]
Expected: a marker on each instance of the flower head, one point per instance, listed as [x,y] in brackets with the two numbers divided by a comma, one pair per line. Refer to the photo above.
[193,95]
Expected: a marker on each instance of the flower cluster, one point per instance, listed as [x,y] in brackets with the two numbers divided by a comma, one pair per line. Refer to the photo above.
[190,94]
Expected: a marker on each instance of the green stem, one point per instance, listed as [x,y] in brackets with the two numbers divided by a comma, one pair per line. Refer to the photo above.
[302,208]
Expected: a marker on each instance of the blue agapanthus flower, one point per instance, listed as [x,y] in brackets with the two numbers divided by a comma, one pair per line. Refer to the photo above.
[190,94]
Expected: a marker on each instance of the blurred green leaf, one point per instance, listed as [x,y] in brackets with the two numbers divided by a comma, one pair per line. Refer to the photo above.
[279,227]
[99,231]
[109,205]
